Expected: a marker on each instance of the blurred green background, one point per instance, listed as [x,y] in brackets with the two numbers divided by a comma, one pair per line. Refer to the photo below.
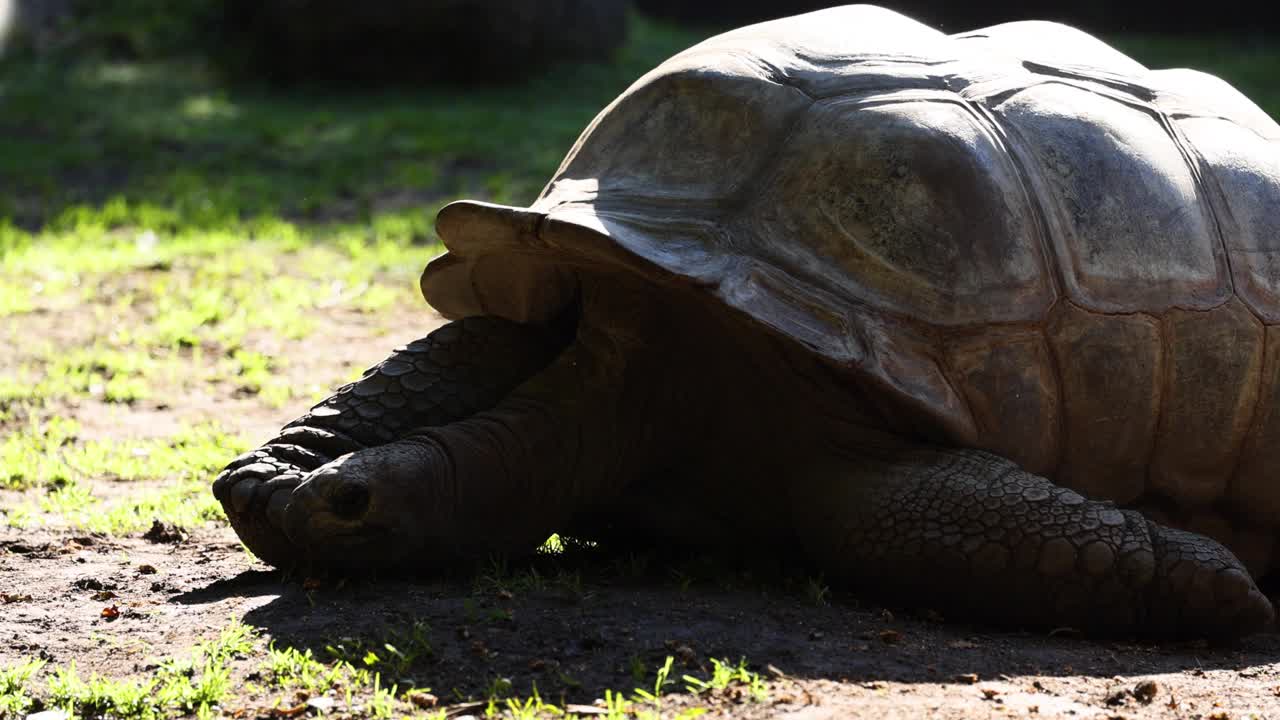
[173,110]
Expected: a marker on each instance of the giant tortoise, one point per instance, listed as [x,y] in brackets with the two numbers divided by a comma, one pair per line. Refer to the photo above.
[990,320]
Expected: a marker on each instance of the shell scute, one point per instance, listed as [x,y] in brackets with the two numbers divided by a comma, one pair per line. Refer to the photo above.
[1129,226]
[1007,377]
[841,50]
[1252,491]
[911,205]
[1052,45]
[1242,174]
[690,135]
[1211,382]
[1111,373]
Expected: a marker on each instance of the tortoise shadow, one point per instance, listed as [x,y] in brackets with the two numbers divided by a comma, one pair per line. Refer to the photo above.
[250,583]
[574,633]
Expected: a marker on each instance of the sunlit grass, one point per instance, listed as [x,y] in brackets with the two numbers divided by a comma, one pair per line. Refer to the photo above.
[14,680]
[155,314]
[59,470]
[49,457]
[185,504]
[192,279]
[49,454]
[281,679]
[193,685]
[113,375]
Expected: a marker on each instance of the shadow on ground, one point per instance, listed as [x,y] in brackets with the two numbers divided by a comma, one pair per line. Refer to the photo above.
[576,634]
[118,606]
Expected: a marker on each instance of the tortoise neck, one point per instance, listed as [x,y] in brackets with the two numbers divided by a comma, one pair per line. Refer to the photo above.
[569,439]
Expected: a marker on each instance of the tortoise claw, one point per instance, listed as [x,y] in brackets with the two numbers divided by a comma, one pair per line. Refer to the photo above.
[254,490]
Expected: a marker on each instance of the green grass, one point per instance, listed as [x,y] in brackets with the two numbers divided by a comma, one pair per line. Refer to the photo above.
[193,685]
[49,458]
[49,455]
[14,679]
[238,671]
[167,135]
[726,675]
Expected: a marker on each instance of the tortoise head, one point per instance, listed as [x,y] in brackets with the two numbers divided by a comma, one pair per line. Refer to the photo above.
[372,508]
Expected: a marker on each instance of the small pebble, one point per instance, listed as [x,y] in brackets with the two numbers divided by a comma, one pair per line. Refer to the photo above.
[423,699]
[322,704]
[1146,691]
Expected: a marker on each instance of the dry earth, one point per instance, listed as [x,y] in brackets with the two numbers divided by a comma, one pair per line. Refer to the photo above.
[575,631]
[833,661]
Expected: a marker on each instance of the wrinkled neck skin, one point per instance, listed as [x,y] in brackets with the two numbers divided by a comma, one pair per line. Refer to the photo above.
[573,436]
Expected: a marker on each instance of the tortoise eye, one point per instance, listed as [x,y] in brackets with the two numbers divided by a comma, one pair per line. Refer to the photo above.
[350,500]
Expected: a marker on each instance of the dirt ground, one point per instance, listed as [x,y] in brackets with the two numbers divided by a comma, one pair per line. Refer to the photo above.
[575,632]
[822,661]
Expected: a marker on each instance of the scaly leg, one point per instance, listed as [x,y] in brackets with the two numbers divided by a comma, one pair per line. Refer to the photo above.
[462,368]
[969,532]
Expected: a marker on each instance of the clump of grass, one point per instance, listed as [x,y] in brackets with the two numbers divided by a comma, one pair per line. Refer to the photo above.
[291,669]
[191,685]
[288,667]
[14,697]
[164,695]
[726,675]
[256,375]
[660,683]
[32,455]
[393,653]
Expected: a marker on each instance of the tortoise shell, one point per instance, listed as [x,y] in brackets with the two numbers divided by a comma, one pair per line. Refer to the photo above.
[1016,238]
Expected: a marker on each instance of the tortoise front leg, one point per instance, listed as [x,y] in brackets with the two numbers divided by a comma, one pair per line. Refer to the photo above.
[971,533]
[462,368]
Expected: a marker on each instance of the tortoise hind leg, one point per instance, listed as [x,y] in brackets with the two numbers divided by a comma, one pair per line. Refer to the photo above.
[969,532]
[462,368]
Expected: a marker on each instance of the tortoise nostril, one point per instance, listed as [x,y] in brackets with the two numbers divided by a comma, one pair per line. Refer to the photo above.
[350,500]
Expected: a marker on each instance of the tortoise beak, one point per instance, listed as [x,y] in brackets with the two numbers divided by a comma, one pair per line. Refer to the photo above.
[328,502]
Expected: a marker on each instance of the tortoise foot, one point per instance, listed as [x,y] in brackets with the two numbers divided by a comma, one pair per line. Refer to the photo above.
[979,536]
[254,490]
[462,368]
[1200,588]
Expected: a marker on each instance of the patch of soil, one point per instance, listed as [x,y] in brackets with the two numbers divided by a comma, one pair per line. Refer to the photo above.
[168,590]
[361,339]
[837,661]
